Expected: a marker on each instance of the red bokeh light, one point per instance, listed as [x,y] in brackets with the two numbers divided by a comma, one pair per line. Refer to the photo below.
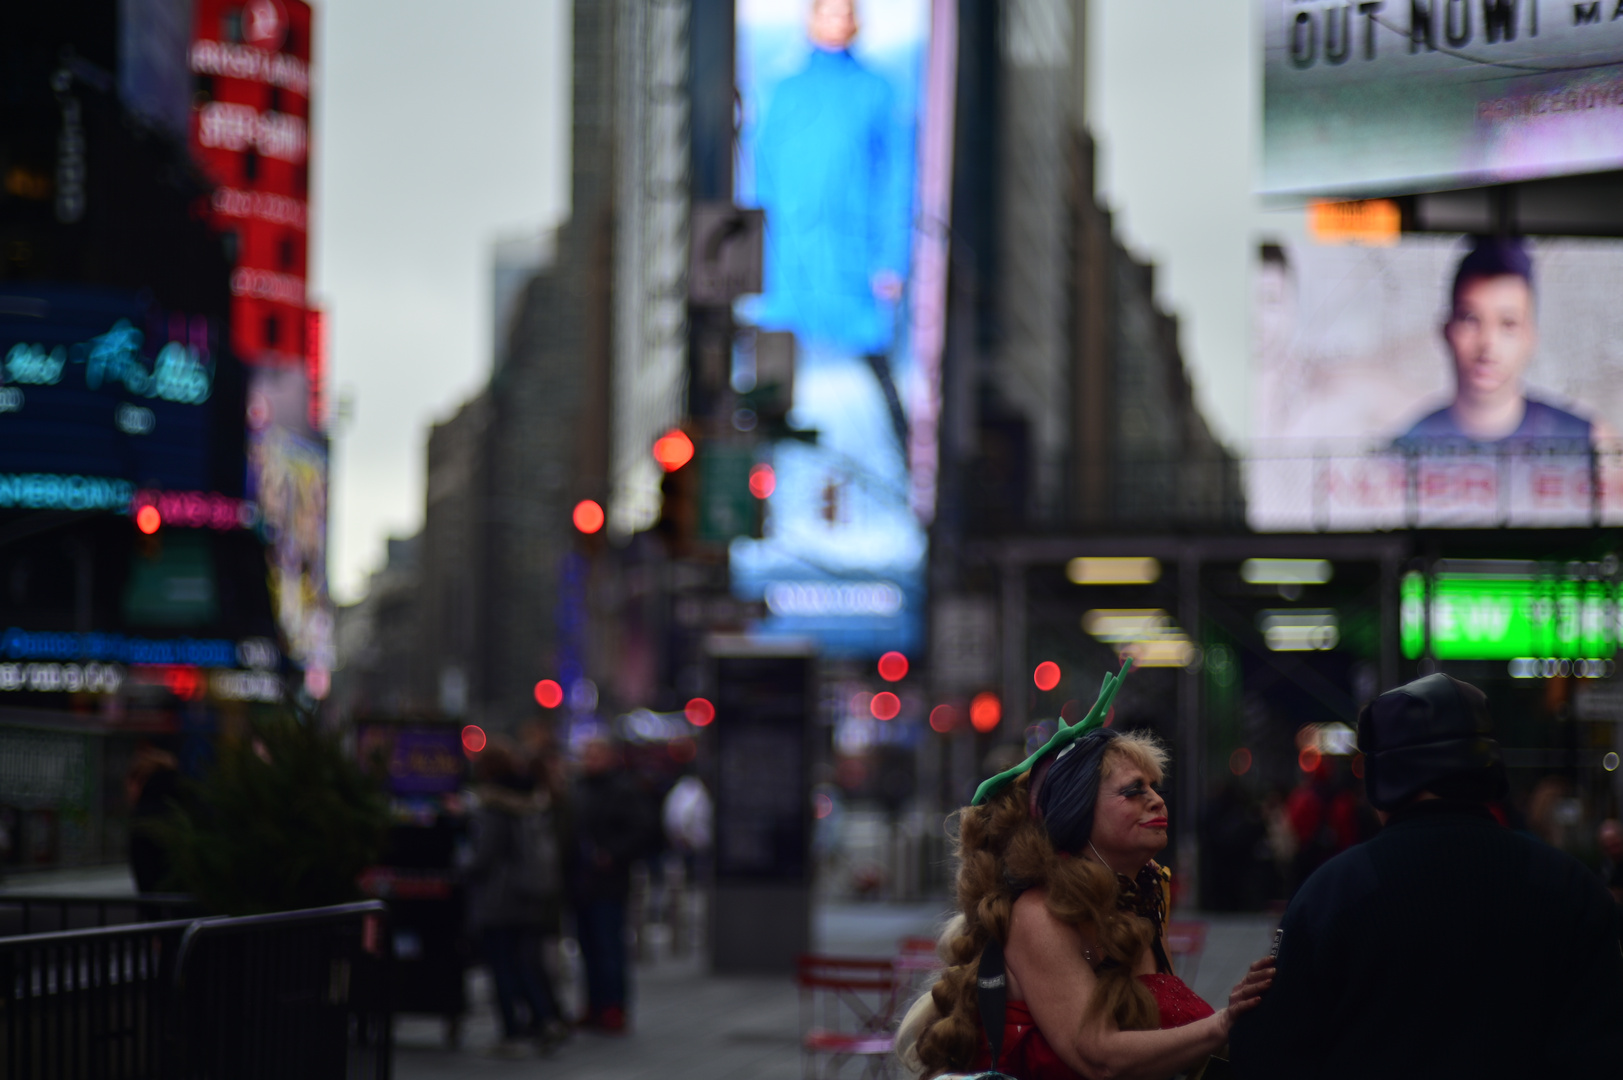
[147,519]
[763,481]
[1046,676]
[985,712]
[699,712]
[822,806]
[588,516]
[548,694]
[1240,762]
[473,738]
[1308,760]
[893,667]
[943,718]
[673,450]
[885,705]
[1357,766]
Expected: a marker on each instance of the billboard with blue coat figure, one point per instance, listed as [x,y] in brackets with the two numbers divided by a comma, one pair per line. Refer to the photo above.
[833,98]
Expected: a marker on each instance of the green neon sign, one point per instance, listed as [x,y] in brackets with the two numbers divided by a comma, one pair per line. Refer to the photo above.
[1503,617]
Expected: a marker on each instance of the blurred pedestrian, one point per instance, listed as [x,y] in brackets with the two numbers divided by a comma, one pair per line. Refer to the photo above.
[153,788]
[1414,954]
[612,830]
[1610,838]
[517,878]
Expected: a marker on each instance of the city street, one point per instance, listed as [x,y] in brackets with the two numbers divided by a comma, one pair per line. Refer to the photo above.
[687,1023]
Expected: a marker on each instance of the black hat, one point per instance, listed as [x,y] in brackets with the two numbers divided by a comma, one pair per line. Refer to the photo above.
[1433,735]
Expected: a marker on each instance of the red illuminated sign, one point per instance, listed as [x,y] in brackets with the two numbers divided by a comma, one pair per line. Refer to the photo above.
[251,133]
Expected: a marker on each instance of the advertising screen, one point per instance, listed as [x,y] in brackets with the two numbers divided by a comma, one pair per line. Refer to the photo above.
[1459,382]
[1386,98]
[844,145]
[104,388]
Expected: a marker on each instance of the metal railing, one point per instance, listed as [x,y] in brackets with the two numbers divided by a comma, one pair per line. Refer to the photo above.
[295,994]
[40,913]
[88,1003]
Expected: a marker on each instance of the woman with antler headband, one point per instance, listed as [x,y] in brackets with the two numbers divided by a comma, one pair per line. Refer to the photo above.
[1057,961]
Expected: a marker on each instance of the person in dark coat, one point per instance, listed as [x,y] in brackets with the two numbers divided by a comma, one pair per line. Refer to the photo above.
[613,824]
[514,902]
[1446,945]
[153,787]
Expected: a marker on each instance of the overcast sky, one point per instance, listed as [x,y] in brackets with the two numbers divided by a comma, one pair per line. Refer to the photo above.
[442,127]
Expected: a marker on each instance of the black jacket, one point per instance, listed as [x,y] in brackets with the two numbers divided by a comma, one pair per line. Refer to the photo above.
[1445,946]
[614,824]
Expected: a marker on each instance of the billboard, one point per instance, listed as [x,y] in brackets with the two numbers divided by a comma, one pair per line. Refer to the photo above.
[1425,95]
[106,388]
[1439,382]
[845,145]
[250,65]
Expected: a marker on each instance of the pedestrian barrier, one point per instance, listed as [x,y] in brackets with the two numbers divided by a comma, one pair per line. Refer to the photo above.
[293,994]
[39,913]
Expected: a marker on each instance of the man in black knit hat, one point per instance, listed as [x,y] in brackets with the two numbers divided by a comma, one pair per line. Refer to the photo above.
[1445,946]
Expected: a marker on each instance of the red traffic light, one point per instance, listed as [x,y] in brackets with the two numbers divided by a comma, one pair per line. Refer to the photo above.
[699,712]
[763,481]
[473,738]
[673,450]
[985,712]
[548,694]
[1046,676]
[588,516]
[893,667]
[147,519]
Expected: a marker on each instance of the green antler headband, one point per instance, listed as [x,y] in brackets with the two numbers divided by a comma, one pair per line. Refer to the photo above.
[1065,734]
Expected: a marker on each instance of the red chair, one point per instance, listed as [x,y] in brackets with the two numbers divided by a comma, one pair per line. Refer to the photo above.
[1186,940]
[847,1008]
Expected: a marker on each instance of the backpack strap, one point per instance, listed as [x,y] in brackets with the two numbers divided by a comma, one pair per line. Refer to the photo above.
[992,997]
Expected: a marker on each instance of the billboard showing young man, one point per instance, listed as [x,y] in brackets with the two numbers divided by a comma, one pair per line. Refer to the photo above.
[1424,95]
[838,100]
[1470,381]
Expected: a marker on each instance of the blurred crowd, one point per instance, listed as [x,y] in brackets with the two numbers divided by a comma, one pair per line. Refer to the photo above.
[552,844]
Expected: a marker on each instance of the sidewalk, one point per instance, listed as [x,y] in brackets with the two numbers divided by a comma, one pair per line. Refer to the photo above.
[690,1024]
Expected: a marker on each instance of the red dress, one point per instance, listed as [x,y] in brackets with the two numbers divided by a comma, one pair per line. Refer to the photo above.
[1027,1055]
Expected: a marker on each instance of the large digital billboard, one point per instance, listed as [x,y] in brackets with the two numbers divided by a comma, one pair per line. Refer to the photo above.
[845,145]
[106,387]
[1442,381]
[250,64]
[1424,95]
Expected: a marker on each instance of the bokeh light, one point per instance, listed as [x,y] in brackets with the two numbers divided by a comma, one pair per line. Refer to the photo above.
[549,694]
[985,712]
[943,718]
[147,519]
[763,481]
[1240,762]
[588,516]
[1046,676]
[885,705]
[822,806]
[673,450]
[1358,766]
[893,667]
[699,712]
[473,738]
[1308,760]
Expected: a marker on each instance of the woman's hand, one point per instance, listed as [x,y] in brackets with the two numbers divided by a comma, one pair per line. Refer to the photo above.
[1247,993]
